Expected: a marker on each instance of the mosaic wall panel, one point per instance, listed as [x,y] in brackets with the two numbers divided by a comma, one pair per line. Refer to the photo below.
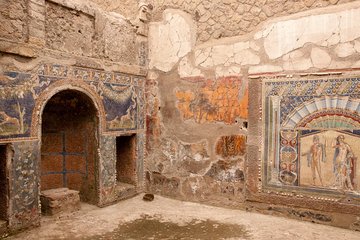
[121,95]
[24,184]
[312,134]
[107,169]
[140,147]
[16,104]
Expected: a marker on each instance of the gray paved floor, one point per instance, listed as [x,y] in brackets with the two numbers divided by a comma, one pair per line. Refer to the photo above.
[171,219]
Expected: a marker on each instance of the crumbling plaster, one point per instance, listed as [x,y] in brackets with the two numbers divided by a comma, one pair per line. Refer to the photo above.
[285,44]
[316,41]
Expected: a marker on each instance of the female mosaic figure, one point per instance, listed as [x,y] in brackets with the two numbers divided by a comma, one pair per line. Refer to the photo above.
[343,163]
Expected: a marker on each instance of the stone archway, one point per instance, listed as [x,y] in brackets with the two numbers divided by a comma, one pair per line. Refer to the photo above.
[69,143]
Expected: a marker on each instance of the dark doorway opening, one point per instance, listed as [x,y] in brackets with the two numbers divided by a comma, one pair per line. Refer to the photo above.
[69,144]
[4,186]
[125,159]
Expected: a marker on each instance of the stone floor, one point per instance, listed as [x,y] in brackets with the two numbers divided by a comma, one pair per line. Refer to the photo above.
[171,219]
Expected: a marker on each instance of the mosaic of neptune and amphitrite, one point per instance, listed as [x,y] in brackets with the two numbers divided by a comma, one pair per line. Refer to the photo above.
[312,133]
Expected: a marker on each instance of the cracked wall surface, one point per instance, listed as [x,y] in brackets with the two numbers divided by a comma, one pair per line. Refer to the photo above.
[217,19]
[204,104]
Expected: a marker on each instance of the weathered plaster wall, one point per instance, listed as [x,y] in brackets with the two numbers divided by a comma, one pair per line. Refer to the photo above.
[197,96]
[217,19]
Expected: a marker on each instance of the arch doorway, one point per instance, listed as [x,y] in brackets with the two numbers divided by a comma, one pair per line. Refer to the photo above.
[69,143]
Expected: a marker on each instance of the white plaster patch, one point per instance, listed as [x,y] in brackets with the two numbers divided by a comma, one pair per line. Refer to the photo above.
[226,55]
[239,46]
[186,69]
[222,54]
[264,69]
[296,61]
[356,65]
[333,40]
[265,32]
[254,46]
[344,50]
[171,39]
[320,58]
[246,57]
[296,54]
[202,57]
[289,35]
[227,71]
[340,64]
[349,24]
[357,46]
[297,64]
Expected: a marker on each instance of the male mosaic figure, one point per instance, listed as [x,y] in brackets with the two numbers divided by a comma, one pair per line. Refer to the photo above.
[315,156]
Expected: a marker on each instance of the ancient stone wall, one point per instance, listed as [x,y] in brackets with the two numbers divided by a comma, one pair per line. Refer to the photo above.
[13,16]
[208,102]
[217,19]
[221,18]
[69,31]
[127,8]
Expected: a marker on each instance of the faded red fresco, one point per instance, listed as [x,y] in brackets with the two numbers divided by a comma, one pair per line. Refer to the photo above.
[216,101]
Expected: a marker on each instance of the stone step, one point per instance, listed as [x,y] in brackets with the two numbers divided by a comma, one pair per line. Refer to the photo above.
[124,190]
[59,200]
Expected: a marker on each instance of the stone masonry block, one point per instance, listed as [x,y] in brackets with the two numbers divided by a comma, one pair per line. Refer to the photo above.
[59,200]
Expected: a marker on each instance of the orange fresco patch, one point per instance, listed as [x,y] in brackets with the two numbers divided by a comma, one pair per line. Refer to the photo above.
[221,101]
[244,103]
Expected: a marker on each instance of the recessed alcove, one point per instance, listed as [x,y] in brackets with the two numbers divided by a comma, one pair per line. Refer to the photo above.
[69,144]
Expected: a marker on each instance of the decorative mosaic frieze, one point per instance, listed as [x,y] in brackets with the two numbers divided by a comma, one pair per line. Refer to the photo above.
[121,95]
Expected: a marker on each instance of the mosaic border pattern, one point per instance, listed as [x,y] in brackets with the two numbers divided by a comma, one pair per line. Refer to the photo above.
[121,94]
